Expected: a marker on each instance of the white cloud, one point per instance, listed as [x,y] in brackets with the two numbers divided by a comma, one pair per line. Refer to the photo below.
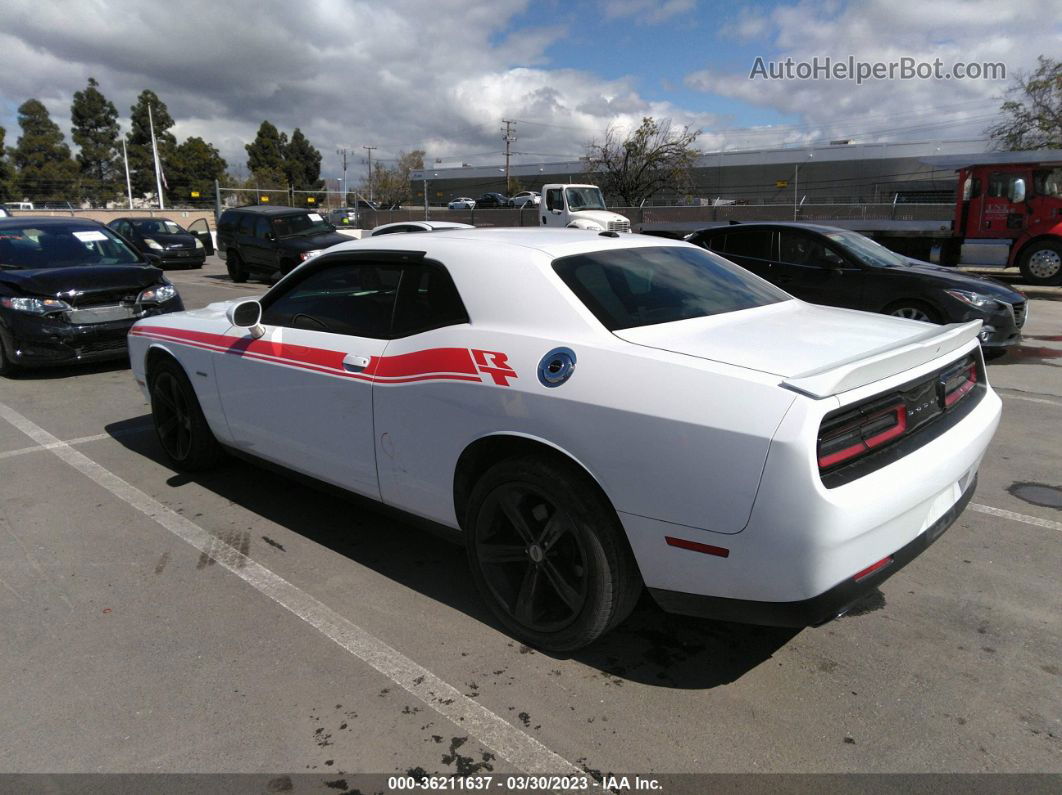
[885,30]
[438,75]
[649,12]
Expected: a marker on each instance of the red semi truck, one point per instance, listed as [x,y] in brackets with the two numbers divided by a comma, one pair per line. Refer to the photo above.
[1009,214]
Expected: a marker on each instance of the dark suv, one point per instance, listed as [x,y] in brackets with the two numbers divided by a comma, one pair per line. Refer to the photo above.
[270,241]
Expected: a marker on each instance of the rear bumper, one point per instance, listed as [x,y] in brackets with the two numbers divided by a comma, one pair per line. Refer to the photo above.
[818,609]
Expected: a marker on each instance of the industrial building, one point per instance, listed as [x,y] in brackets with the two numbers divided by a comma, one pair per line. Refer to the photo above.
[841,172]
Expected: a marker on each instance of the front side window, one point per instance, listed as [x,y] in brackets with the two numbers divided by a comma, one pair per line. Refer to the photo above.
[797,248]
[58,246]
[554,200]
[357,299]
[645,286]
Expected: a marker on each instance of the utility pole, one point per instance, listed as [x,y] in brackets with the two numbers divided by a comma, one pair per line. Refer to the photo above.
[342,152]
[509,138]
[370,148]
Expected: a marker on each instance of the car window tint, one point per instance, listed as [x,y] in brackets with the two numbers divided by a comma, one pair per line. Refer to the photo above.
[355,299]
[645,286]
[261,228]
[748,243]
[800,249]
[428,300]
[246,224]
[554,200]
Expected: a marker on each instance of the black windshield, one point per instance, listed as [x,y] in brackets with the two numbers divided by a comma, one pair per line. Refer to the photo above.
[59,246]
[633,287]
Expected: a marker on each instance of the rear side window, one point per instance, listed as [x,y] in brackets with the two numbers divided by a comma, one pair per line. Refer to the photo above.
[645,286]
[247,225]
[747,243]
[427,300]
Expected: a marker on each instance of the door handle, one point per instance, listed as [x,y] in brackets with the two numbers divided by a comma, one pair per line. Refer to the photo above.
[355,363]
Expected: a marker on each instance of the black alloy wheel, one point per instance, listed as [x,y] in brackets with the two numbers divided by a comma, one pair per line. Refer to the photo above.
[182,429]
[548,554]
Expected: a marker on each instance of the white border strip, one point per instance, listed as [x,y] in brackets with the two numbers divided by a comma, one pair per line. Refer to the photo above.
[520,749]
[1017,517]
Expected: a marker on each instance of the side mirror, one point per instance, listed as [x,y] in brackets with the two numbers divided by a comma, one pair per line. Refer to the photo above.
[247,314]
[1017,191]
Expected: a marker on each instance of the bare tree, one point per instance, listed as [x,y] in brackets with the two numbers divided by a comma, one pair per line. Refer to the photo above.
[1035,113]
[650,159]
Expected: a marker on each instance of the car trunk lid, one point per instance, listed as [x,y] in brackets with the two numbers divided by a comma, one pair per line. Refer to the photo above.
[816,350]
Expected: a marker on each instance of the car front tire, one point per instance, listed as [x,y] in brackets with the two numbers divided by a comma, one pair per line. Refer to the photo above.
[181,428]
[548,554]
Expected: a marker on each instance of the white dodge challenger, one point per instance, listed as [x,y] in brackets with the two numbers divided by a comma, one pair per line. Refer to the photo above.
[592,414]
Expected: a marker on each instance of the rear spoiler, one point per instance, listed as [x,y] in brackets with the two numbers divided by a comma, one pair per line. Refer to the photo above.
[886,361]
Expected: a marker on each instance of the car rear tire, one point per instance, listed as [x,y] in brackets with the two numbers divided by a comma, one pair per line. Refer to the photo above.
[234,264]
[181,428]
[913,310]
[1041,263]
[548,554]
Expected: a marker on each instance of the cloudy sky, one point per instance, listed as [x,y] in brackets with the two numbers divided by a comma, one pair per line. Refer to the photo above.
[441,74]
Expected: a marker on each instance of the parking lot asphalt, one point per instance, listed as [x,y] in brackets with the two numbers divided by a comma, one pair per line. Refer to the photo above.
[238,621]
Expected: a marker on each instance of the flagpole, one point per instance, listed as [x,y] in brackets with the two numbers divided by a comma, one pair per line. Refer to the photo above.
[155,152]
[128,181]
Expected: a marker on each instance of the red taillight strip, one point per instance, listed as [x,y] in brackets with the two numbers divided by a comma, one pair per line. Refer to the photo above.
[696,546]
[881,564]
[957,394]
[865,445]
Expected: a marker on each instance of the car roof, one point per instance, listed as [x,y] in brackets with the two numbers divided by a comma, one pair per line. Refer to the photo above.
[49,220]
[261,209]
[552,242]
[822,228]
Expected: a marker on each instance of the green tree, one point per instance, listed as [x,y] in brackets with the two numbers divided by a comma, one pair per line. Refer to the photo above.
[391,186]
[1034,114]
[194,165]
[265,156]
[94,121]
[45,168]
[302,163]
[651,159]
[6,188]
[141,162]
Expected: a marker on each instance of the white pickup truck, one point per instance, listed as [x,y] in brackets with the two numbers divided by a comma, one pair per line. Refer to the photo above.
[579,207]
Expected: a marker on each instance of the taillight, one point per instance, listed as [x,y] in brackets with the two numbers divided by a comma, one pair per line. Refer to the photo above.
[850,437]
[959,384]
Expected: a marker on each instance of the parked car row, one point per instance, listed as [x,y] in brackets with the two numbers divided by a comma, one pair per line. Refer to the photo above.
[495,200]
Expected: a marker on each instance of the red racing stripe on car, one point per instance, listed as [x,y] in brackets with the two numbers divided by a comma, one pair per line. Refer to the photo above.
[432,360]
[439,364]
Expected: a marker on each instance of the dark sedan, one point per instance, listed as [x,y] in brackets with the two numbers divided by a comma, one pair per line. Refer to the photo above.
[492,200]
[837,267]
[69,291]
[165,242]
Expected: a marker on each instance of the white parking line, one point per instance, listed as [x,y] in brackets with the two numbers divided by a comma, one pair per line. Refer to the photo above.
[1032,399]
[521,749]
[37,448]
[1017,517]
